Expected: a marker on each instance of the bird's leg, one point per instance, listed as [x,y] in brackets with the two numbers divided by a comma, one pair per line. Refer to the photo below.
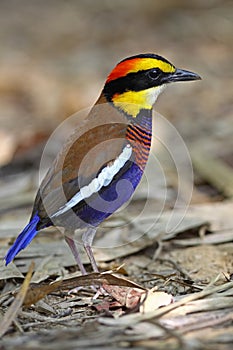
[73,248]
[87,239]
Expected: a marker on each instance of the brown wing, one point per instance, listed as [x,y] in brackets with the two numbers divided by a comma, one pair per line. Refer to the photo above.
[96,141]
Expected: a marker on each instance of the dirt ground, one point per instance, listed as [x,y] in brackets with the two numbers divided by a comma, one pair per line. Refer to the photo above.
[166,258]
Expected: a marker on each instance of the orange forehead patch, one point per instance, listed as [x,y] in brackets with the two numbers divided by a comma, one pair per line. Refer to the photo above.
[136,64]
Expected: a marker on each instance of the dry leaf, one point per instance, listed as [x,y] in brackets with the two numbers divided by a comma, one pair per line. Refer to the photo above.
[155,299]
[11,271]
[38,292]
[125,296]
[98,279]
[17,303]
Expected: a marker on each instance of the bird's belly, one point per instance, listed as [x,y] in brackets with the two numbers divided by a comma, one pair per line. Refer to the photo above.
[104,203]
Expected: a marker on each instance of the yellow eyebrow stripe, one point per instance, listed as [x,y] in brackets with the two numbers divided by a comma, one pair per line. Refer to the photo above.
[137,64]
[149,63]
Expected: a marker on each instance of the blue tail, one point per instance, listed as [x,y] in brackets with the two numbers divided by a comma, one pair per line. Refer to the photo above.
[23,239]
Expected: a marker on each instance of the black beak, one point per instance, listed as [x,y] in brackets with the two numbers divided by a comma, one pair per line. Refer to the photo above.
[182,75]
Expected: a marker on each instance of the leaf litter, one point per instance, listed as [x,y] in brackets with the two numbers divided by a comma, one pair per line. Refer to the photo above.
[155,287]
[143,305]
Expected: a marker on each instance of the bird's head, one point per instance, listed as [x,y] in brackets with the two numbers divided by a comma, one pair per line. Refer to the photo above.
[135,83]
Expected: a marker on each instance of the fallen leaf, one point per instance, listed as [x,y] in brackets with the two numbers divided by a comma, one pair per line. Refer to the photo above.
[154,300]
[125,296]
[98,279]
[38,292]
[11,271]
[11,313]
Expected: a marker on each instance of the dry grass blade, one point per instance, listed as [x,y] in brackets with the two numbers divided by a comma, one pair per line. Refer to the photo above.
[38,292]
[98,279]
[17,303]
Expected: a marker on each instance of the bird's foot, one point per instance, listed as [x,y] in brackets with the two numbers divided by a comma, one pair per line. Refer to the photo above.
[99,291]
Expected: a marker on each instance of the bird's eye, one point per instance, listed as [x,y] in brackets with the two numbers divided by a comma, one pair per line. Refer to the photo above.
[154,73]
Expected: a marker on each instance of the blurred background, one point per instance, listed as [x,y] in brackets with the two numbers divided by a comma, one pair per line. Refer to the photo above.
[55,56]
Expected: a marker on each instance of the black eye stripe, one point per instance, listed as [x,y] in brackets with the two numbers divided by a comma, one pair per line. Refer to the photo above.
[135,81]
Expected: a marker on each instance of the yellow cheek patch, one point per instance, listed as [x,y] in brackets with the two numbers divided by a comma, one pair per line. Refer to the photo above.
[131,102]
[137,64]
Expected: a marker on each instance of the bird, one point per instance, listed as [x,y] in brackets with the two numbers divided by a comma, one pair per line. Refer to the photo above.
[99,167]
